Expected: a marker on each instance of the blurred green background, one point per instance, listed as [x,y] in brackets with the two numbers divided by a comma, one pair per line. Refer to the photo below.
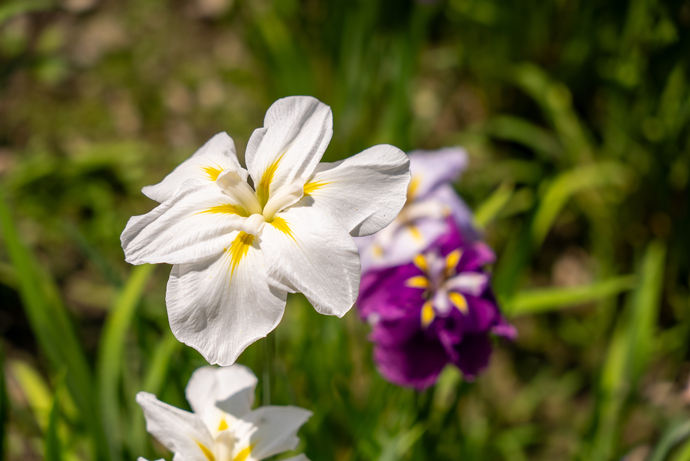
[576,117]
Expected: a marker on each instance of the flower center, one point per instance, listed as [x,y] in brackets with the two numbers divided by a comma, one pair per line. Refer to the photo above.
[234,186]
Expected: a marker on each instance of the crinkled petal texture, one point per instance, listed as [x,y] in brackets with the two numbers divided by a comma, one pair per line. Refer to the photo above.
[193,225]
[216,394]
[269,430]
[364,192]
[430,169]
[179,431]
[312,253]
[295,135]
[214,157]
[222,304]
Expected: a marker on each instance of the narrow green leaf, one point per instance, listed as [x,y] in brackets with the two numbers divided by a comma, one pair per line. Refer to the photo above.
[492,206]
[35,390]
[160,363]
[549,299]
[4,404]
[629,352]
[111,353]
[519,130]
[53,447]
[51,324]
[683,453]
[567,184]
[671,438]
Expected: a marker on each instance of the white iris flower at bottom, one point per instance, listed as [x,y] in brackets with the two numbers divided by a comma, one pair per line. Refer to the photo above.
[223,426]
[241,239]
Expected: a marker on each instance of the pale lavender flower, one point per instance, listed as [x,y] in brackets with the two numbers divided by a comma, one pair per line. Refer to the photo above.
[430,200]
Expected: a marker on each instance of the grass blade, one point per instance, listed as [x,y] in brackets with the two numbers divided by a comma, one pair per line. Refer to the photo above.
[111,352]
[53,447]
[51,324]
[492,206]
[549,299]
[4,404]
[629,352]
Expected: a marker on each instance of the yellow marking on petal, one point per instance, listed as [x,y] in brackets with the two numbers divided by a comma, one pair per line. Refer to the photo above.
[212,172]
[311,187]
[264,189]
[414,185]
[244,454]
[458,301]
[452,260]
[420,262]
[427,314]
[282,225]
[418,281]
[223,425]
[206,451]
[416,234]
[227,209]
[377,250]
[238,249]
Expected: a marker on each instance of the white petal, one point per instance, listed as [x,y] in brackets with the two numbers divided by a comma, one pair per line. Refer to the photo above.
[144,459]
[221,305]
[179,431]
[364,192]
[301,457]
[315,255]
[296,132]
[269,430]
[191,226]
[473,283]
[217,155]
[216,392]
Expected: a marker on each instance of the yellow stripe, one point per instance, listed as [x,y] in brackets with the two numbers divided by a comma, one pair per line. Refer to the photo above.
[452,260]
[227,209]
[311,187]
[420,262]
[212,173]
[282,225]
[416,234]
[418,281]
[458,301]
[412,189]
[427,314]
[238,249]
[264,189]
[244,454]
[206,451]
[223,425]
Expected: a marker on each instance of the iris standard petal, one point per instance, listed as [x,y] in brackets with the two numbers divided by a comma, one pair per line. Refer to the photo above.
[221,305]
[314,254]
[191,226]
[433,168]
[364,192]
[268,431]
[296,132]
[179,431]
[218,395]
[214,157]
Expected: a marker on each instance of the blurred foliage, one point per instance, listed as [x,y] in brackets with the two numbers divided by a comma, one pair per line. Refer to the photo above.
[576,116]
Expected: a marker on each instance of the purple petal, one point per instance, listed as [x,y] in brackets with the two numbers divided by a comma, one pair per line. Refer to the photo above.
[460,212]
[415,363]
[472,355]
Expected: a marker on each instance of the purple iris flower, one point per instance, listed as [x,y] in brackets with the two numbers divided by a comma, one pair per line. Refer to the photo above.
[430,200]
[439,309]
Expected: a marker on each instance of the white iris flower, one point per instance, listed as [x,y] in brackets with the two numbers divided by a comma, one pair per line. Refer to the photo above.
[240,240]
[223,426]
